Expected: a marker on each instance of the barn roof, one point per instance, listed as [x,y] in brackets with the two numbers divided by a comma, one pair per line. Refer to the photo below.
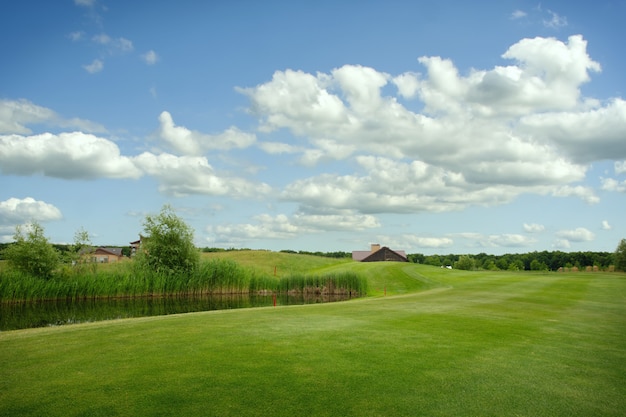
[363,255]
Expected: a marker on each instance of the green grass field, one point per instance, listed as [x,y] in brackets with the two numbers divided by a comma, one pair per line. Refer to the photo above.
[440,343]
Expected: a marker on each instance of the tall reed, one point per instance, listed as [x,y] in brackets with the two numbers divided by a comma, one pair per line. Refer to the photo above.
[128,279]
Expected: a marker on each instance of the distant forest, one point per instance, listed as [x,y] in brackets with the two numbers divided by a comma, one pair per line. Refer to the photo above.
[532,261]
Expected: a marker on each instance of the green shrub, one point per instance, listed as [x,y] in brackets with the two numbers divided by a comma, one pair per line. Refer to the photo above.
[32,253]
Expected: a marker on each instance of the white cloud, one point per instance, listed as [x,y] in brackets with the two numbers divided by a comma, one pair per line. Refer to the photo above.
[150,57]
[282,226]
[579,234]
[502,240]
[555,21]
[533,228]
[584,193]
[408,84]
[76,36]
[96,66]
[611,184]
[74,155]
[392,186]
[102,39]
[489,135]
[606,225]
[620,167]
[277,148]
[124,44]
[268,227]
[189,175]
[85,3]
[114,44]
[296,100]
[17,115]
[561,244]
[586,135]
[413,241]
[518,14]
[347,220]
[189,142]
[16,211]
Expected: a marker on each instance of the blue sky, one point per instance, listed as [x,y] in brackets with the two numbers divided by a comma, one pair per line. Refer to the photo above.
[430,127]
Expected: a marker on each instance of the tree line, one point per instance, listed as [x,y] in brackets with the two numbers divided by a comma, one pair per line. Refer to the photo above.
[531,261]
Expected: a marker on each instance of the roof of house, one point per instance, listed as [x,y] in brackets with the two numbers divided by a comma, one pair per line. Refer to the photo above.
[361,255]
[111,251]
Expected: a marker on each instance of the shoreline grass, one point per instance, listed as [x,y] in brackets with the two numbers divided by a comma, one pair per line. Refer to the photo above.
[440,343]
[214,275]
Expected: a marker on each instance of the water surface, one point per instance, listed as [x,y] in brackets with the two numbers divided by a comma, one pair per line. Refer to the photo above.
[15,316]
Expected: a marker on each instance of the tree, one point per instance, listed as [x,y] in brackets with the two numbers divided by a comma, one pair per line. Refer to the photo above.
[620,256]
[82,243]
[516,265]
[168,247]
[536,265]
[32,253]
[465,262]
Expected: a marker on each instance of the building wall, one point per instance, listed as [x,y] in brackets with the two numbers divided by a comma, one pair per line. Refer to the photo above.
[101,256]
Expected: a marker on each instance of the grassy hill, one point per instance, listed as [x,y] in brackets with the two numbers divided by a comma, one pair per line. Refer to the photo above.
[396,277]
[440,343]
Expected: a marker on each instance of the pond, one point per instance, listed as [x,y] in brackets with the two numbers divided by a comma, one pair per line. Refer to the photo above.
[14,316]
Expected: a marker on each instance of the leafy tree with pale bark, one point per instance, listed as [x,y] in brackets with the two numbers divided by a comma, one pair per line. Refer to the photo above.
[168,247]
[32,253]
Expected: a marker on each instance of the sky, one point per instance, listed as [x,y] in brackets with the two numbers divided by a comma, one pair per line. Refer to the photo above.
[429,127]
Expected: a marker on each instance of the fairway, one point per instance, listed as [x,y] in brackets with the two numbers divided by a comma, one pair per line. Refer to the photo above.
[440,343]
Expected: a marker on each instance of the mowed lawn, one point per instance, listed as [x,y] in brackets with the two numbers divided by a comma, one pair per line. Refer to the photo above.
[439,343]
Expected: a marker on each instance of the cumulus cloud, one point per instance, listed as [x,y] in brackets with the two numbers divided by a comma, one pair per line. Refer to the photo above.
[584,193]
[586,135]
[267,227]
[533,228]
[282,226]
[96,66]
[390,186]
[17,115]
[511,240]
[611,184]
[620,167]
[347,220]
[606,225]
[16,211]
[561,244]
[73,155]
[150,57]
[518,14]
[555,21]
[190,142]
[407,242]
[277,148]
[76,36]
[189,175]
[482,138]
[114,44]
[579,234]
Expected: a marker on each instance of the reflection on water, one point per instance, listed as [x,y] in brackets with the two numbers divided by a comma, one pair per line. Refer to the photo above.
[59,312]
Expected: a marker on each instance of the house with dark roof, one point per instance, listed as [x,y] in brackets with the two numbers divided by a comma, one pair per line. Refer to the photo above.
[379,254]
[106,255]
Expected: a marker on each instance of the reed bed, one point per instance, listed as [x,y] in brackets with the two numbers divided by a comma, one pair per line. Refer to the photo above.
[128,279]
